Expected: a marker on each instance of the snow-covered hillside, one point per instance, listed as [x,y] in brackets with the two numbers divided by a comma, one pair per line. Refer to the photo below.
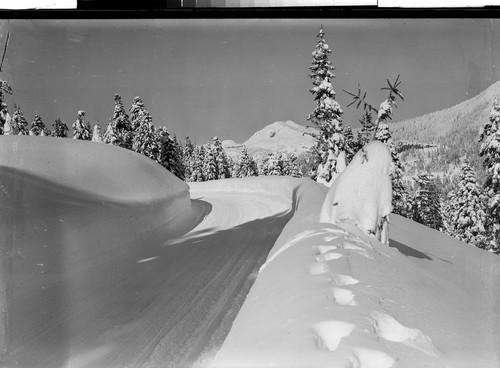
[427,128]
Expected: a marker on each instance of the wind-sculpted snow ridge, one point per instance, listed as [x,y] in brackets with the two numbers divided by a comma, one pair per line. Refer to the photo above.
[330,295]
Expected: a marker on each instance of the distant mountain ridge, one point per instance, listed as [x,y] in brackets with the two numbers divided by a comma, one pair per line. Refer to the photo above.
[283,136]
[428,128]
[453,133]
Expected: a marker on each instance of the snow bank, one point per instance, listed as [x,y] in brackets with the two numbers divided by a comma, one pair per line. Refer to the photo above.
[64,202]
[331,296]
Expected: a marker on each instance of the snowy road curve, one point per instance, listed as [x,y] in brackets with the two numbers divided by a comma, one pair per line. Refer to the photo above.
[168,306]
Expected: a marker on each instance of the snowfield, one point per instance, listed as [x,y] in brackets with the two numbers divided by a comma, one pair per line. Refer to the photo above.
[110,261]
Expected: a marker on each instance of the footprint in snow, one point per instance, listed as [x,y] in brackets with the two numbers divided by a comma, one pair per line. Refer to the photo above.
[342,280]
[322,249]
[388,328]
[350,246]
[318,268]
[329,333]
[328,257]
[369,358]
[342,296]
[330,238]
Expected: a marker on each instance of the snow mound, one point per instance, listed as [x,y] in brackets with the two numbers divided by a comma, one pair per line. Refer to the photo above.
[281,136]
[362,193]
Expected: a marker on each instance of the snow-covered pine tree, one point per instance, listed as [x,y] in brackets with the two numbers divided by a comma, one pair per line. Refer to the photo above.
[426,202]
[9,127]
[291,167]
[447,209]
[367,127]
[327,115]
[60,129]
[37,126]
[20,121]
[401,202]
[187,158]
[145,139]
[96,133]
[210,163]
[384,112]
[197,159]
[170,153]
[120,133]
[45,133]
[81,129]
[351,144]
[111,136]
[466,210]
[272,164]
[138,113]
[223,165]
[490,151]
[4,113]
[262,165]
[245,166]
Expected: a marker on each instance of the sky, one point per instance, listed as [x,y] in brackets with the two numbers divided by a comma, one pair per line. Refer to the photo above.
[232,77]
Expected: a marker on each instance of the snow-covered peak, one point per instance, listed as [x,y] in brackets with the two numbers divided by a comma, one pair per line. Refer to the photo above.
[286,136]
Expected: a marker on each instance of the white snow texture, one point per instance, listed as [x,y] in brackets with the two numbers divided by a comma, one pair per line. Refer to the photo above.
[362,193]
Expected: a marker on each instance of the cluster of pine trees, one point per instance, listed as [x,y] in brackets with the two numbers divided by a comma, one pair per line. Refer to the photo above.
[134,130]
[470,212]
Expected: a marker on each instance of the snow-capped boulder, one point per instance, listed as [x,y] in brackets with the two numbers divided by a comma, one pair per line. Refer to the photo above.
[362,193]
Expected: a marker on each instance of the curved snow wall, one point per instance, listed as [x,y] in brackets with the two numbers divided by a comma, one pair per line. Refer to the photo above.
[66,207]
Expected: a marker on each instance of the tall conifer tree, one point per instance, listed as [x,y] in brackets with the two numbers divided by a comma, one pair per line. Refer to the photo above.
[81,129]
[466,210]
[327,115]
[426,203]
[60,129]
[490,151]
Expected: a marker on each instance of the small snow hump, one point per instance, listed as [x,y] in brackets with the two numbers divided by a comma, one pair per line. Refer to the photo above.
[362,193]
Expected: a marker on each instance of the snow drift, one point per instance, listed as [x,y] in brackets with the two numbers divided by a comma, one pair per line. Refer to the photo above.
[329,295]
[64,202]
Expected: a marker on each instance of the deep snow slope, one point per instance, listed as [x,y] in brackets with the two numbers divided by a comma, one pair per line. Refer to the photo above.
[330,296]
